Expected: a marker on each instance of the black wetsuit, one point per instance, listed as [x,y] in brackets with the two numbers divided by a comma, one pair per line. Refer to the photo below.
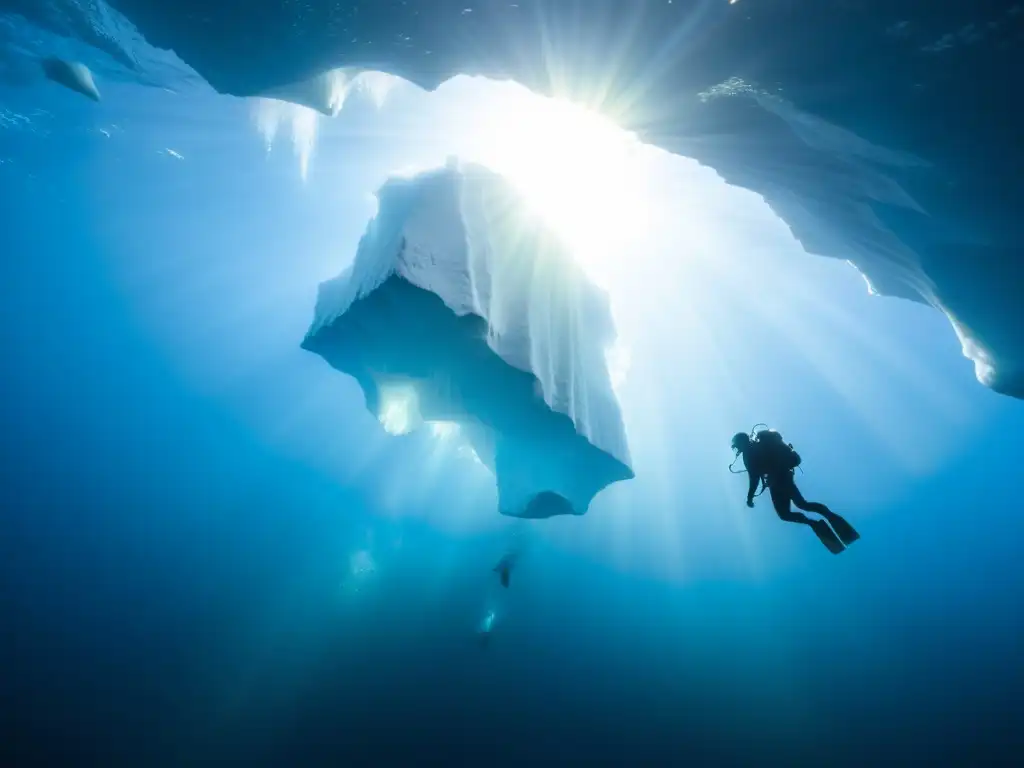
[781,486]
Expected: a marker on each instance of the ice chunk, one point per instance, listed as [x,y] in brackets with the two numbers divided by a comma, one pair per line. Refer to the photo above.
[325,93]
[71,75]
[463,306]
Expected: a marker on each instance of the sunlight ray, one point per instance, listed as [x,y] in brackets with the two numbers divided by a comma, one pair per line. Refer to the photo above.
[574,168]
[699,274]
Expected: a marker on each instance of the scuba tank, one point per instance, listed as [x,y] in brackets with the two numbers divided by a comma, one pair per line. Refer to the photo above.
[783,455]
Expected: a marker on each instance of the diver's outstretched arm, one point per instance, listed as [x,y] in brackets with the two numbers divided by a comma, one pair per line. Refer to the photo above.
[755,480]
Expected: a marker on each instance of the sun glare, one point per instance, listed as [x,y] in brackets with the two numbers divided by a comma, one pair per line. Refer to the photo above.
[578,170]
[444,430]
[399,409]
[399,414]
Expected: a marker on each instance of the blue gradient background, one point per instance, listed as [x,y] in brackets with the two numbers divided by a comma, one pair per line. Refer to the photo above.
[179,504]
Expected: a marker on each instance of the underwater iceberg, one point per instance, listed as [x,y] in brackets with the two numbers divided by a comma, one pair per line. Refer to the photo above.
[832,118]
[462,306]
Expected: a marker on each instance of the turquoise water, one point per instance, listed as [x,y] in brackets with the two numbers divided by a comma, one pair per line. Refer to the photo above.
[212,553]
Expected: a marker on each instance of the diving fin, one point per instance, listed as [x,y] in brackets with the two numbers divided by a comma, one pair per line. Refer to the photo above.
[827,536]
[846,532]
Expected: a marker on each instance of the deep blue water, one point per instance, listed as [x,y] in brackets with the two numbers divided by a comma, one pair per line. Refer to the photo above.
[184,490]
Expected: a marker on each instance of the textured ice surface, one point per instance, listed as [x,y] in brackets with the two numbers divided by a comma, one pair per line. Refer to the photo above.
[325,92]
[465,302]
[831,118]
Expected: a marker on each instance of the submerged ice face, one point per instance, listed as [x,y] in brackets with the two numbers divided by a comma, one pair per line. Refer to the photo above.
[462,307]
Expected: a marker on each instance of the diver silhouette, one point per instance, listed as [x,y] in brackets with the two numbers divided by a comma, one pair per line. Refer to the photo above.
[772,463]
[505,566]
[518,543]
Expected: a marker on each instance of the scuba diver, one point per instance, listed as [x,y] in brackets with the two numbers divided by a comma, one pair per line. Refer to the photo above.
[772,463]
[505,566]
[518,543]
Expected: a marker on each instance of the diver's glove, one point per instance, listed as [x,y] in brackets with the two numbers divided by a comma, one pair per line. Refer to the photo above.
[750,503]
